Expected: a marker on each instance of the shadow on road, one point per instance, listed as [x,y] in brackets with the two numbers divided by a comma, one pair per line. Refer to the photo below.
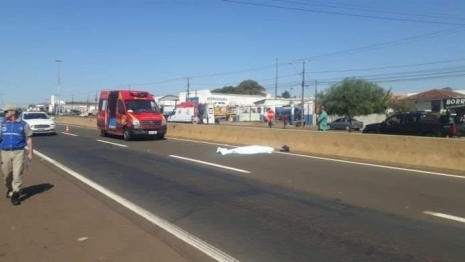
[30,191]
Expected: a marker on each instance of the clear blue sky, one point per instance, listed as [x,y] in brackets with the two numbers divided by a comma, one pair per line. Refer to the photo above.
[154,45]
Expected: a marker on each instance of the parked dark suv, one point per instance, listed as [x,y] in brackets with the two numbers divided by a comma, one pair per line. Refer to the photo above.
[415,124]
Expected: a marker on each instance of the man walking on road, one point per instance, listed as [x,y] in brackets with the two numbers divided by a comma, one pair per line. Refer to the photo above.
[15,135]
[322,120]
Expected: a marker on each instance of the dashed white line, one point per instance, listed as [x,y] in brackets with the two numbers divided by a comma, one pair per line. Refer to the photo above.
[211,164]
[335,160]
[446,216]
[68,134]
[111,143]
[332,159]
[374,165]
[194,241]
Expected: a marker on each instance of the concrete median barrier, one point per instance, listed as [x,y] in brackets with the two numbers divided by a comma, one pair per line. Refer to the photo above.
[401,151]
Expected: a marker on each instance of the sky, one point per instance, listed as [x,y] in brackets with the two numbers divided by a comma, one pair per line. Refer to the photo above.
[406,45]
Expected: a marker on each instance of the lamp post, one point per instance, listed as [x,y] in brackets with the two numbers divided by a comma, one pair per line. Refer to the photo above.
[57,99]
[302,100]
[303,90]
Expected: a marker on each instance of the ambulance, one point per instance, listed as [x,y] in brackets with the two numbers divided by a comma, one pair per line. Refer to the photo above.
[193,112]
[130,114]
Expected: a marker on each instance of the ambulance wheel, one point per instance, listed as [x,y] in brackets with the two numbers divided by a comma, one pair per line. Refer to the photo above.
[160,136]
[103,133]
[127,134]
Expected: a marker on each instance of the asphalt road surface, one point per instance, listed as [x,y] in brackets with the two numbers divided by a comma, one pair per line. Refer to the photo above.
[276,207]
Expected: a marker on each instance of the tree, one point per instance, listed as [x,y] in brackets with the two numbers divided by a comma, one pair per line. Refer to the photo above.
[354,97]
[225,90]
[286,94]
[250,87]
[246,87]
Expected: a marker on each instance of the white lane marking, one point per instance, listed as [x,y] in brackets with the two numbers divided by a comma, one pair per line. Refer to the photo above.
[336,160]
[201,245]
[111,143]
[459,219]
[374,165]
[332,159]
[211,164]
[68,134]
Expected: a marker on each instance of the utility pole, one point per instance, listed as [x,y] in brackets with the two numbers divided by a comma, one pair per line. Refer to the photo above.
[95,109]
[87,104]
[276,81]
[72,101]
[316,96]
[188,89]
[302,97]
[57,98]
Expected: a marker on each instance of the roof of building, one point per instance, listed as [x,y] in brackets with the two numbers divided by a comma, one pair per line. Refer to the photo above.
[168,98]
[435,94]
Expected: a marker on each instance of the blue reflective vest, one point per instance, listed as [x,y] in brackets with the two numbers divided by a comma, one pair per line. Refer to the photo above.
[12,135]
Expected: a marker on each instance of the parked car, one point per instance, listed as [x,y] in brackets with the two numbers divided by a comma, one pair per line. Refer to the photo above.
[39,122]
[345,124]
[415,124]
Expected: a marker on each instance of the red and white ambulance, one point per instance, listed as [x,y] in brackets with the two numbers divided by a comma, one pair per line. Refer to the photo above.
[193,112]
[130,114]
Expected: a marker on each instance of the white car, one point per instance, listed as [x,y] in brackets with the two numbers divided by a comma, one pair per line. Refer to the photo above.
[40,122]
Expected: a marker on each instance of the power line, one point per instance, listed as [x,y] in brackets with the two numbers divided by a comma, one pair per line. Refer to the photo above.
[344,14]
[369,9]
[402,74]
[389,43]
[341,71]
[416,38]
[386,67]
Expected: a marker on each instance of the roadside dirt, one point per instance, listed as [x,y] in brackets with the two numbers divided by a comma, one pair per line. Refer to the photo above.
[62,220]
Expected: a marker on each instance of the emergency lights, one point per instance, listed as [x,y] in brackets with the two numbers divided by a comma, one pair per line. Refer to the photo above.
[138,94]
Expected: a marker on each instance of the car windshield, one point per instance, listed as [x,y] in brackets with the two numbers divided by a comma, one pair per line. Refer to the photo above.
[142,106]
[35,116]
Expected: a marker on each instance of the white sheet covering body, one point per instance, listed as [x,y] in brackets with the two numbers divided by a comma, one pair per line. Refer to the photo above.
[246,150]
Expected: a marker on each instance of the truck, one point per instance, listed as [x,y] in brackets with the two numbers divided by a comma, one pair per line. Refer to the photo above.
[130,114]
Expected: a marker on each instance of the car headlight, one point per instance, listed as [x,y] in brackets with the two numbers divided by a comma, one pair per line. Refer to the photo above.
[136,123]
[163,121]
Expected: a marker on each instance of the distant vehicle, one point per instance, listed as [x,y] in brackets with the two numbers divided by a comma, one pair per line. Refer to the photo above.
[130,114]
[345,124]
[39,122]
[167,110]
[415,124]
[193,112]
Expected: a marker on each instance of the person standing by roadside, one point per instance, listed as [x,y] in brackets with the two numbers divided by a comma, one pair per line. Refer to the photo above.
[270,117]
[15,135]
[322,119]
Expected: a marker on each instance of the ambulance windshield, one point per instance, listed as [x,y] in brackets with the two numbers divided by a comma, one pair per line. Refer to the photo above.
[139,106]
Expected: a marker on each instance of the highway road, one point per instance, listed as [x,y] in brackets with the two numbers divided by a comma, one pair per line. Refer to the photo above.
[276,207]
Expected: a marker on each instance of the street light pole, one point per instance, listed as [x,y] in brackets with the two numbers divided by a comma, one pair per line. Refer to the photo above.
[276,81]
[302,96]
[57,99]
